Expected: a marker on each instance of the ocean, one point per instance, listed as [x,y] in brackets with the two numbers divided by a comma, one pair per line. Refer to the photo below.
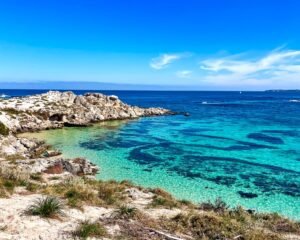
[241,146]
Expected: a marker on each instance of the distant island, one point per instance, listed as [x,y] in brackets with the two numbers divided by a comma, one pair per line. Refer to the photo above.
[283,90]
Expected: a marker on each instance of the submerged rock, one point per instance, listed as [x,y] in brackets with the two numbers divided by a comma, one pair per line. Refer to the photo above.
[247,194]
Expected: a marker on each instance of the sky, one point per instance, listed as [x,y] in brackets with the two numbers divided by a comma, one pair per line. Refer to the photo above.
[183,44]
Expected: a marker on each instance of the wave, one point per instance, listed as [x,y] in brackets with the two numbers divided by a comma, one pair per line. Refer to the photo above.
[4,96]
[211,103]
[294,100]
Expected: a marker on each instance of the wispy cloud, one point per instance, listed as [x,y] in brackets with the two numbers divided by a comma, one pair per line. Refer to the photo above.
[278,65]
[164,60]
[184,74]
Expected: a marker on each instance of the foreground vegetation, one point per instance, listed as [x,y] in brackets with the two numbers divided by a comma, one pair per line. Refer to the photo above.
[211,220]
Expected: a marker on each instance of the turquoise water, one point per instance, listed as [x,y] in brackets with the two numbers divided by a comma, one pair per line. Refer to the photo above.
[242,149]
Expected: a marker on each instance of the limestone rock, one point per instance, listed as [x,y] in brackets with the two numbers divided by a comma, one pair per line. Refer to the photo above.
[56,109]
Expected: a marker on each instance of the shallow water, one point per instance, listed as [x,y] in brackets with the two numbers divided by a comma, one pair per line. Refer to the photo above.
[243,148]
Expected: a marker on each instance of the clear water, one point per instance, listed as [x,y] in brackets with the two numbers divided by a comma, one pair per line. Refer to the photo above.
[242,147]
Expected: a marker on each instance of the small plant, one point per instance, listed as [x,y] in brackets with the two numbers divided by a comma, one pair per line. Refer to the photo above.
[46,207]
[9,185]
[3,129]
[32,187]
[126,212]
[218,206]
[36,177]
[87,229]
[74,197]
[159,201]
[110,192]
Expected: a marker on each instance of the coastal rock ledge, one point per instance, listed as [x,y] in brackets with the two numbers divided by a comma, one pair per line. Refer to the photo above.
[56,109]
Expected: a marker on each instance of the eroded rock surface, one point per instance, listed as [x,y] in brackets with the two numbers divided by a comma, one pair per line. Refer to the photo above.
[56,109]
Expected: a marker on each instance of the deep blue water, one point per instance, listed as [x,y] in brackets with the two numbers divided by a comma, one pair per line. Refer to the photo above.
[243,147]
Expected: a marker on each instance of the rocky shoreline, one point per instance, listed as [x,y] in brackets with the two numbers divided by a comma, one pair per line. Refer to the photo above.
[56,109]
[31,171]
[52,110]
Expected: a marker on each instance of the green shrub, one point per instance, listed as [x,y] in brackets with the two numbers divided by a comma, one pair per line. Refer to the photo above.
[9,185]
[126,212]
[74,197]
[46,207]
[36,177]
[32,187]
[218,206]
[110,192]
[87,229]
[3,129]
[159,201]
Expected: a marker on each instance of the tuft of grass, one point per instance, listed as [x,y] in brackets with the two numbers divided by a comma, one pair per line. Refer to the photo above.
[46,207]
[110,192]
[36,177]
[163,199]
[159,201]
[32,187]
[11,111]
[9,185]
[3,129]
[126,212]
[87,229]
[14,157]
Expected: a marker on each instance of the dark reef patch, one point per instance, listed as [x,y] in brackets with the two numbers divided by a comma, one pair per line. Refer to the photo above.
[193,131]
[224,180]
[288,133]
[93,145]
[265,138]
[139,156]
[122,143]
[215,137]
[247,194]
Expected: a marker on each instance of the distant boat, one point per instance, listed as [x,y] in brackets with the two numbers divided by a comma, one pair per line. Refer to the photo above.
[240,92]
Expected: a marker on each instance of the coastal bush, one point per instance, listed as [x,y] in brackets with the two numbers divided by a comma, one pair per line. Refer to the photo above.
[218,206]
[3,129]
[159,201]
[32,187]
[76,191]
[76,196]
[87,229]
[46,207]
[11,111]
[212,226]
[9,185]
[110,192]
[163,199]
[126,212]
[36,177]
[277,223]
[14,157]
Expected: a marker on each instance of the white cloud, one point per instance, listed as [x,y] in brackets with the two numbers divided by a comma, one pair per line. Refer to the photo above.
[164,60]
[278,68]
[184,74]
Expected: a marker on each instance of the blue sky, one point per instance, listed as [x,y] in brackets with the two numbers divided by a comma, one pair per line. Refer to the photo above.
[203,44]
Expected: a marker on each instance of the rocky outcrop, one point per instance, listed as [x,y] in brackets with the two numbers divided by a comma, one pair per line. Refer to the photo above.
[35,157]
[56,109]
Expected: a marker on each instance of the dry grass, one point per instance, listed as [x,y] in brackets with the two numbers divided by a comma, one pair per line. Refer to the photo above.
[3,129]
[211,220]
[88,229]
